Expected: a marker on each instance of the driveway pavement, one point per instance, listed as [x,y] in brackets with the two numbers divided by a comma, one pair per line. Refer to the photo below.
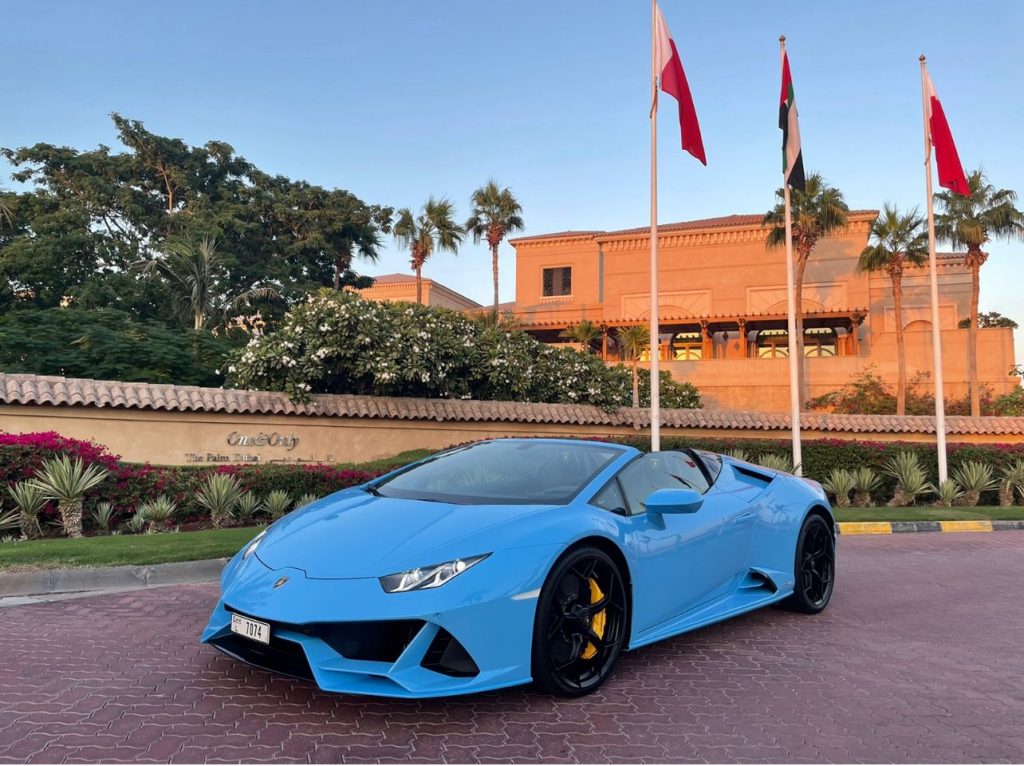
[917,659]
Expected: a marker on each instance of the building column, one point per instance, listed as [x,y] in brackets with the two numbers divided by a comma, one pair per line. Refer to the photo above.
[706,345]
[744,345]
[604,342]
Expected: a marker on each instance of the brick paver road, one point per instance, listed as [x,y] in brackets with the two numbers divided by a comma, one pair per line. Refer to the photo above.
[917,659]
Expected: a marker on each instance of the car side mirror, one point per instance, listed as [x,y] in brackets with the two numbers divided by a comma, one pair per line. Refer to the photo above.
[674,501]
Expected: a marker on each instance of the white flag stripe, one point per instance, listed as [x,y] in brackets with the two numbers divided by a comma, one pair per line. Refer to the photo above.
[662,43]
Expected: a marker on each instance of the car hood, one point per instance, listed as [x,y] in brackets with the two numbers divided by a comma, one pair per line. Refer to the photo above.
[357,534]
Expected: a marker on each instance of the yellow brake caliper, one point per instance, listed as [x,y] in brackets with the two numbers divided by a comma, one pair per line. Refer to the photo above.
[598,623]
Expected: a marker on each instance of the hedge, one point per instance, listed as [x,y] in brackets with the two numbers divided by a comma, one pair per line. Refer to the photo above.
[821,456]
[131,484]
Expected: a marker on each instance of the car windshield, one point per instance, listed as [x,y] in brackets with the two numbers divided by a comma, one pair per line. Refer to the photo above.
[506,472]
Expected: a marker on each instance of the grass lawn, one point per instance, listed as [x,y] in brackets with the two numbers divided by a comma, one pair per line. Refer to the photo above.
[928,513]
[116,550]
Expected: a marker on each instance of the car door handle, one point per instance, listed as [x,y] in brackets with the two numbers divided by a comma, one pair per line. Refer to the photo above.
[744,517]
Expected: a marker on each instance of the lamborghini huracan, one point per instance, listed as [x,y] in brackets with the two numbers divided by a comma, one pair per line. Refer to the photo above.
[518,560]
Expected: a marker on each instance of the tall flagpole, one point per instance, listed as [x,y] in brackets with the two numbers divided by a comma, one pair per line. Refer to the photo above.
[655,350]
[794,361]
[940,404]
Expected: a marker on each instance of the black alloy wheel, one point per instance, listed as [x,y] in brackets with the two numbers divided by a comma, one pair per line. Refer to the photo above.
[580,628]
[815,567]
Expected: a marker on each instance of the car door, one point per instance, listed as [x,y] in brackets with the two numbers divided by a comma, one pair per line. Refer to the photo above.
[682,560]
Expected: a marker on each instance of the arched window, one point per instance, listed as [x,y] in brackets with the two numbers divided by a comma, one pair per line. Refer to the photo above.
[687,346]
[772,344]
[819,341]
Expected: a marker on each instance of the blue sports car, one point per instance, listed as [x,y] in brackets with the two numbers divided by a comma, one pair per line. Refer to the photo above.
[520,560]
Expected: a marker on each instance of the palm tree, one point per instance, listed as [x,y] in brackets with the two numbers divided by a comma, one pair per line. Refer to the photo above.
[433,229]
[969,222]
[496,212]
[634,340]
[67,481]
[584,333]
[895,241]
[818,210]
[195,275]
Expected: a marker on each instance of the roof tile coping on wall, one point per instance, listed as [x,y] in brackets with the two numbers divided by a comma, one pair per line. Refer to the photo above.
[57,391]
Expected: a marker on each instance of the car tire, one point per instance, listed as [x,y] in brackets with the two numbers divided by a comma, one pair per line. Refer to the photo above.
[581,624]
[814,567]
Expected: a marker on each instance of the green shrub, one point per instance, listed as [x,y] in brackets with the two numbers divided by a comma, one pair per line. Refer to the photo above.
[29,502]
[974,477]
[218,494]
[158,512]
[249,505]
[278,503]
[949,493]
[775,461]
[865,482]
[910,476]
[102,515]
[1012,482]
[840,483]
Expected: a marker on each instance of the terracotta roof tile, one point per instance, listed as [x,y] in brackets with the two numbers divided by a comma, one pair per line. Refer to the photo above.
[56,391]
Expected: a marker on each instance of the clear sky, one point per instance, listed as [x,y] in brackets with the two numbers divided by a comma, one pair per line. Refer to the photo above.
[398,99]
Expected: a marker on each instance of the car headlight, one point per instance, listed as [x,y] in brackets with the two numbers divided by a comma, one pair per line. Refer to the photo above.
[251,548]
[433,576]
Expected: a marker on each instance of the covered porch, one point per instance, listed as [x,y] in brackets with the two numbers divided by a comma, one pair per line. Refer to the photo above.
[827,333]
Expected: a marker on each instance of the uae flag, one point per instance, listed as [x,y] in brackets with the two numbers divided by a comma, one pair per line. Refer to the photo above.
[669,66]
[951,172]
[792,157]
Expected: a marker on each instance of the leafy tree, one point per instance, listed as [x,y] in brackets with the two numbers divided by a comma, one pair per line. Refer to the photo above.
[495,213]
[895,240]
[633,341]
[195,276]
[109,345]
[970,222]
[90,214]
[817,211]
[341,343]
[433,229]
[989,319]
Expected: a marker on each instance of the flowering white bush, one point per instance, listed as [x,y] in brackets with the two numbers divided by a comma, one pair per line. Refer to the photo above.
[339,343]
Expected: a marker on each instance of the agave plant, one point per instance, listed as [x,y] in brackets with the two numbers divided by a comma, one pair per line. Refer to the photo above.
[158,512]
[249,504]
[29,501]
[775,462]
[218,495]
[9,520]
[278,503]
[949,493]
[739,454]
[865,481]
[306,499]
[974,478]
[136,523]
[1012,483]
[67,481]
[102,515]
[840,483]
[911,479]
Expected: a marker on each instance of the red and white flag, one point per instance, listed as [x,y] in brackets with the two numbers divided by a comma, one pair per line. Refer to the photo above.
[951,172]
[669,67]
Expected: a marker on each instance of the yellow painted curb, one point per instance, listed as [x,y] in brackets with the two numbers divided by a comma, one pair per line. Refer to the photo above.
[865,528]
[974,525]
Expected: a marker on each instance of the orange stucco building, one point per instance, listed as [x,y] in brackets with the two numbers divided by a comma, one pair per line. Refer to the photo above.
[722,304]
[402,287]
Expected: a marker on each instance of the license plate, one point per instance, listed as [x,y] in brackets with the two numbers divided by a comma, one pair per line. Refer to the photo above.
[252,629]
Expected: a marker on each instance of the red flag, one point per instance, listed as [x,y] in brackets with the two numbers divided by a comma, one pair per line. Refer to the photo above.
[951,172]
[669,66]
